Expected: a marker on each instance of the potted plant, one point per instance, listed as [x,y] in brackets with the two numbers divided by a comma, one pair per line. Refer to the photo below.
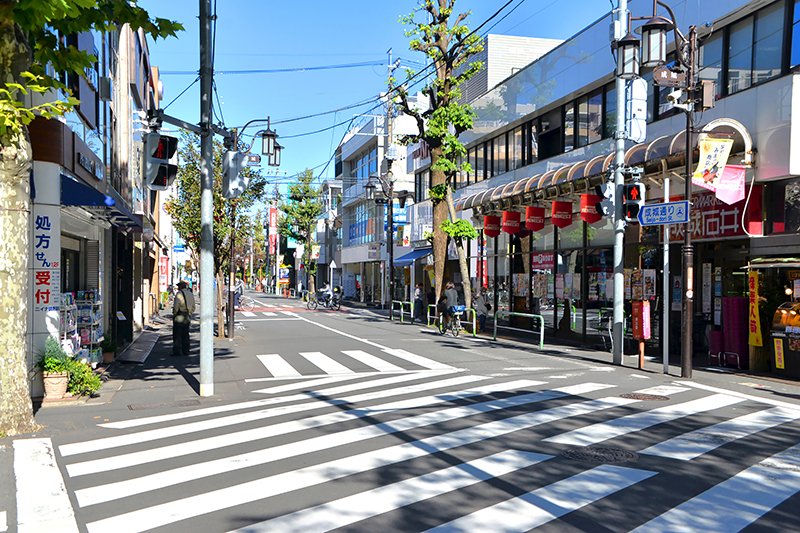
[109,348]
[54,364]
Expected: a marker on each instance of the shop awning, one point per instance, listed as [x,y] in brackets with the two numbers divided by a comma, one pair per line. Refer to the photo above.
[774,262]
[412,256]
[76,193]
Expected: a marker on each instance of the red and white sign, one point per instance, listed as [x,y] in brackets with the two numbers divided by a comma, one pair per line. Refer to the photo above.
[711,218]
[543,261]
[534,218]
[491,225]
[561,214]
[589,212]
[273,229]
[511,222]
[163,273]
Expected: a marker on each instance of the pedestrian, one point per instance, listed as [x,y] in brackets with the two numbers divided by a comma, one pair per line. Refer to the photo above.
[480,302]
[418,304]
[182,310]
[238,290]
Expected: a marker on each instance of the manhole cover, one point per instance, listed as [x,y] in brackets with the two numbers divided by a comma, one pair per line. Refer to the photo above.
[644,397]
[599,454]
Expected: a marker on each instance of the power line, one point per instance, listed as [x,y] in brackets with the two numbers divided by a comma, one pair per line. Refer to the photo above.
[277,70]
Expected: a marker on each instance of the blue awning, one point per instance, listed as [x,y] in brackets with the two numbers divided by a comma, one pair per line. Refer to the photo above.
[74,192]
[412,256]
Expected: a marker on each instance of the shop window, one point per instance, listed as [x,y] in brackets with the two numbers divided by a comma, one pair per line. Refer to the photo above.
[569,127]
[480,163]
[783,207]
[500,166]
[601,233]
[515,149]
[549,134]
[610,112]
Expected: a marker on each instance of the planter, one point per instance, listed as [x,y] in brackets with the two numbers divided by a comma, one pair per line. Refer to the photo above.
[55,385]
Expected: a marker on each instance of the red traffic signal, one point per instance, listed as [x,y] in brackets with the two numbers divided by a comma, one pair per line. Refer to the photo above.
[633,196]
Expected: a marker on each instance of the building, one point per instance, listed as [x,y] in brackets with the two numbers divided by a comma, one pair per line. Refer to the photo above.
[544,138]
[329,235]
[85,270]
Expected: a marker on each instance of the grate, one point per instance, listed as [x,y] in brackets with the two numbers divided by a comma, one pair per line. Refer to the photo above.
[644,397]
[600,454]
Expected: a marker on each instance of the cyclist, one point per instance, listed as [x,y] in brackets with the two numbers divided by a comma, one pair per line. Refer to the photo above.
[326,293]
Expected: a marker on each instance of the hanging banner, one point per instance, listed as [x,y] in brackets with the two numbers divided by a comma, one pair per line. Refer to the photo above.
[163,273]
[753,322]
[714,155]
[534,218]
[589,212]
[561,214]
[727,185]
[779,357]
[491,225]
[511,222]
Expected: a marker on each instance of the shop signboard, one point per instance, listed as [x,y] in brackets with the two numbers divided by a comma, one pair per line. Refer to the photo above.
[779,358]
[753,322]
[543,261]
[640,319]
[163,273]
[711,218]
[46,259]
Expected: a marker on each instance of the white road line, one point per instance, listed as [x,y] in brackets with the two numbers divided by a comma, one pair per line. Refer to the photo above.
[548,503]
[3,522]
[663,390]
[372,361]
[348,510]
[356,375]
[71,449]
[417,359]
[738,501]
[277,365]
[599,432]
[121,489]
[326,364]
[695,443]
[305,385]
[759,399]
[172,451]
[42,500]
[289,313]
[269,313]
[273,319]
[192,506]
[248,314]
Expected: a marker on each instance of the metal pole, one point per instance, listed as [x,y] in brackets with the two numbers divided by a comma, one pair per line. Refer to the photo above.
[206,209]
[232,273]
[688,248]
[250,244]
[665,298]
[390,244]
[619,221]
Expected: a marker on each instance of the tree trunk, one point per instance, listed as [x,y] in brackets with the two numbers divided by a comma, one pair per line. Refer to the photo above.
[16,413]
[439,236]
[462,258]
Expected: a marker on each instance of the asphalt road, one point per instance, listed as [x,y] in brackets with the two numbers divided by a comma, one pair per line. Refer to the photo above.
[343,420]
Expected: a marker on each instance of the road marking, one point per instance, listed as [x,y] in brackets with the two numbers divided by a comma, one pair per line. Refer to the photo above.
[738,501]
[695,443]
[3,522]
[548,503]
[42,500]
[348,510]
[289,313]
[193,506]
[372,361]
[168,452]
[269,313]
[326,364]
[599,432]
[194,471]
[248,314]
[341,377]
[277,365]
[759,399]
[417,359]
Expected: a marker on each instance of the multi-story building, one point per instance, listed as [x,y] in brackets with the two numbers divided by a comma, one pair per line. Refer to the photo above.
[545,137]
[329,235]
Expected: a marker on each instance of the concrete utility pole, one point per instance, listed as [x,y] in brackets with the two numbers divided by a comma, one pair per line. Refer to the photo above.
[619,180]
[206,208]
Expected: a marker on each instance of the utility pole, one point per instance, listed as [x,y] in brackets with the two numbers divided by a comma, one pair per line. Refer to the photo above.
[390,196]
[688,249]
[206,208]
[232,273]
[619,180]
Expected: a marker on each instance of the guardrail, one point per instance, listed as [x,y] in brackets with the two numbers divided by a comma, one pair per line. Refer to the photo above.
[527,315]
[474,320]
[401,307]
[434,315]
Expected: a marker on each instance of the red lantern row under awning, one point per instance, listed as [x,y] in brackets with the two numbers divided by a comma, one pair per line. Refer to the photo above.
[560,213]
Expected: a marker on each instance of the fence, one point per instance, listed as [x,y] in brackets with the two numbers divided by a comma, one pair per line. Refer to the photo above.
[401,306]
[498,314]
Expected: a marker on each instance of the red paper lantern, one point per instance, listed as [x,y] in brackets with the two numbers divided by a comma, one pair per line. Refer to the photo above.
[491,225]
[561,214]
[511,222]
[534,218]
[589,208]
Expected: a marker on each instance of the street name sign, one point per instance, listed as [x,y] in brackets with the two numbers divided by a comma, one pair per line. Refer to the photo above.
[666,213]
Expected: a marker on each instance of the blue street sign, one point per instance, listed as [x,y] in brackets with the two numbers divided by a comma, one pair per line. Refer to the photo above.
[178,248]
[667,213]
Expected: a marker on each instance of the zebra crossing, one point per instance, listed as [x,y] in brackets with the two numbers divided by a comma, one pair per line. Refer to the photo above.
[442,450]
[345,362]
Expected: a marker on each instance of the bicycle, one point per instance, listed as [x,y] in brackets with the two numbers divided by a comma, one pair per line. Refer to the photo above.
[452,320]
[314,301]
[246,303]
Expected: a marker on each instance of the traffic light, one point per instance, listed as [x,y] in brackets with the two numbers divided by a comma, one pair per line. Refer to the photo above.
[233,182]
[159,149]
[606,193]
[633,195]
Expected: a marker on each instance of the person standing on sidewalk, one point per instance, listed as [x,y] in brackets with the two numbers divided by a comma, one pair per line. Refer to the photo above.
[418,304]
[182,310]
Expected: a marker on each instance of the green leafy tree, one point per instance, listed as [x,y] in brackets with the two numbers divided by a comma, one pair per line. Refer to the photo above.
[184,207]
[300,211]
[448,44]
[30,43]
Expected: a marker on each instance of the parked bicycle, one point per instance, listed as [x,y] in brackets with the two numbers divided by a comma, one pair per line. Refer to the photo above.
[451,321]
[316,300]
[246,303]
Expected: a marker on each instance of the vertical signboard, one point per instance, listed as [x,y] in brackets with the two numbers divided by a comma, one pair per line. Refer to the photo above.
[753,322]
[273,229]
[163,273]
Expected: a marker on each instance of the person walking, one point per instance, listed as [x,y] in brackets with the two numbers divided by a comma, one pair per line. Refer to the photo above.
[238,290]
[182,310]
[418,304]
[480,303]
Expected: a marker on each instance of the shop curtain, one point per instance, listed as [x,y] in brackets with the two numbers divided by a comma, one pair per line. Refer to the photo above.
[534,218]
[511,222]
[561,214]
[491,225]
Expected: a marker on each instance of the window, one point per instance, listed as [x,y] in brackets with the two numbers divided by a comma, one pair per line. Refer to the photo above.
[594,116]
[740,56]
[500,166]
[610,125]
[488,153]
[569,126]
[422,184]
[768,44]
[710,59]
[515,148]
[549,138]
[795,53]
[480,165]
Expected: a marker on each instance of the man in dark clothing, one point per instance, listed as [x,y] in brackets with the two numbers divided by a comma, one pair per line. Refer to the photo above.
[182,310]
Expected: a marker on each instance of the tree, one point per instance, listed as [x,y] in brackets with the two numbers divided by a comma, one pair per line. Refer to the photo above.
[301,211]
[184,207]
[30,43]
[448,47]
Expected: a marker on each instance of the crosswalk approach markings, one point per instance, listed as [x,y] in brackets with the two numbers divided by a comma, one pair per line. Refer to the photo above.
[459,431]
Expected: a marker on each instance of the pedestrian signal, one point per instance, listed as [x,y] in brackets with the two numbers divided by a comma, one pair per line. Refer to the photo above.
[633,196]
[159,172]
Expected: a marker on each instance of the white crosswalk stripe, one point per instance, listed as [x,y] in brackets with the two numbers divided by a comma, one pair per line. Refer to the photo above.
[483,453]
[269,313]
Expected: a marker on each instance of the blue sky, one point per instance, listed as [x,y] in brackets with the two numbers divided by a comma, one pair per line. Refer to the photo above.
[269,35]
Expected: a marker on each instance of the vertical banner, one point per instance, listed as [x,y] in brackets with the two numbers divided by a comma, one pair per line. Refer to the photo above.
[534,218]
[511,222]
[163,273]
[753,322]
[589,212]
[273,229]
[779,361]
[707,287]
[640,319]
[46,261]
[491,225]
[561,214]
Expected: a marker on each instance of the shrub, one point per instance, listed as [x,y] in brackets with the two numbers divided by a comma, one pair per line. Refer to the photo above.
[53,360]
[81,378]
